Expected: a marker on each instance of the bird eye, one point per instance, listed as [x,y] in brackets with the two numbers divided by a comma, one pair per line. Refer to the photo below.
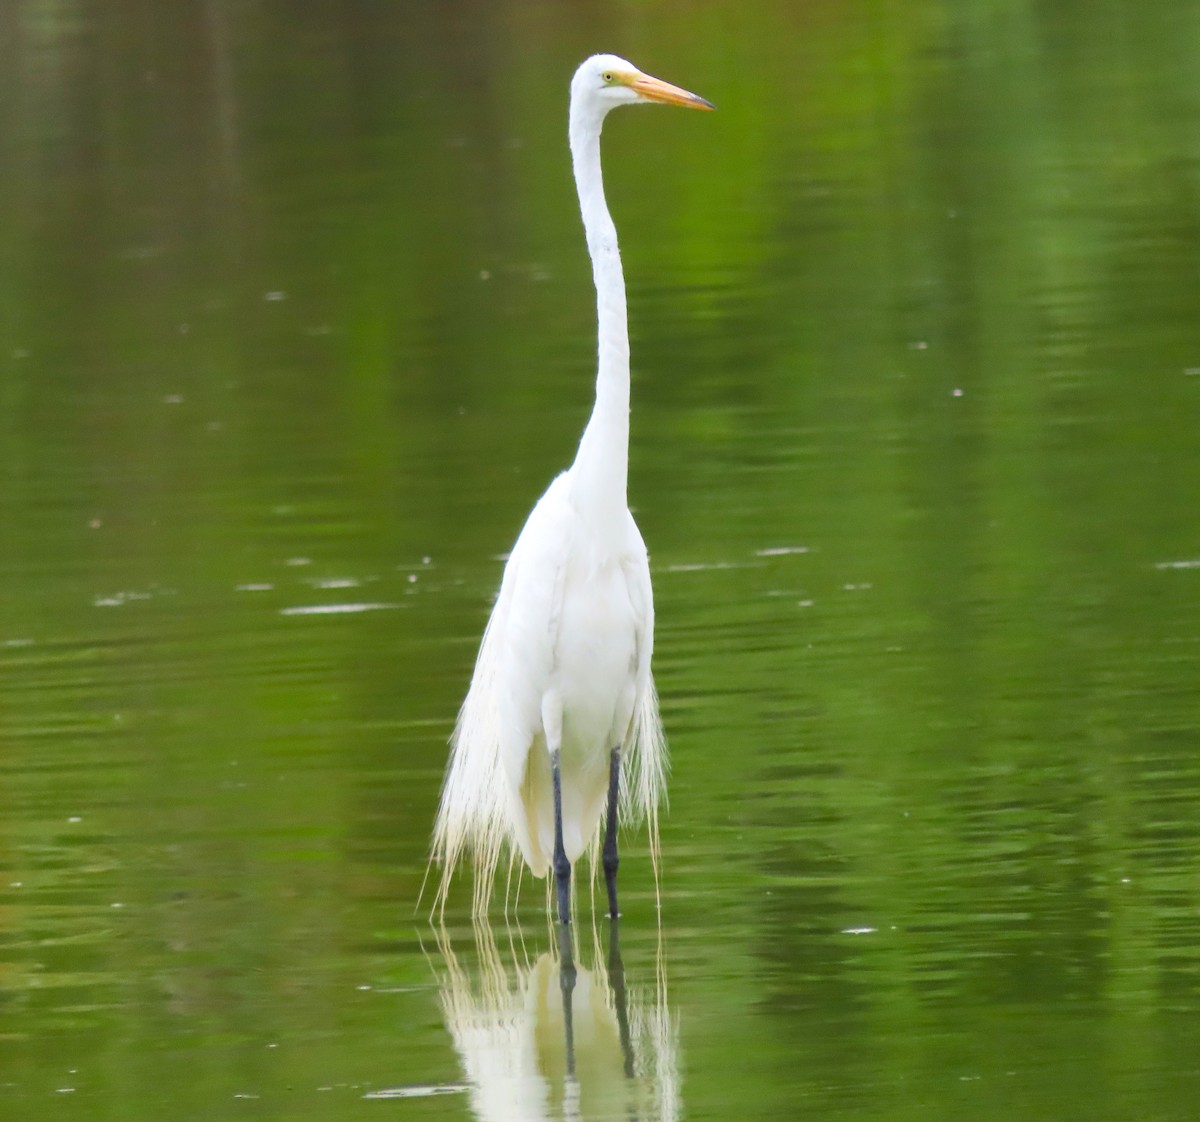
[607,77]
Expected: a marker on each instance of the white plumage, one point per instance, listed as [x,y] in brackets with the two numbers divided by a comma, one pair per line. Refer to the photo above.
[563,673]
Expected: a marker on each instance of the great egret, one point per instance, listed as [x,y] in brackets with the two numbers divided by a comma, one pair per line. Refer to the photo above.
[562,693]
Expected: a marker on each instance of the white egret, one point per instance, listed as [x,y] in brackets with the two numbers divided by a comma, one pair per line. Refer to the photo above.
[562,695]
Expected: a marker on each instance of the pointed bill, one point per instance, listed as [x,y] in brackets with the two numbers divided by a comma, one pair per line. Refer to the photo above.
[655,89]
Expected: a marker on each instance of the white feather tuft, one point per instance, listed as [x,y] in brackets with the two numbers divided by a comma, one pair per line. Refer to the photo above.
[646,766]
[473,817]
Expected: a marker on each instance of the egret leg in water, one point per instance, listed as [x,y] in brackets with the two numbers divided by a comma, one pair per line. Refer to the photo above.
[567,977]
[566,985]
[562,866]
[616,979]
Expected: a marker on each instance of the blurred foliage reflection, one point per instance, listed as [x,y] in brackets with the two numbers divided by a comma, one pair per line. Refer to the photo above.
[296,323]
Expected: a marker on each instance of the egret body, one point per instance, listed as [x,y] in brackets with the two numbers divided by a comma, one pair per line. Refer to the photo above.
[560,725]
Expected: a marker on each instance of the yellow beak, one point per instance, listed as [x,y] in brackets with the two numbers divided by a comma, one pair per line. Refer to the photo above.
[655,89]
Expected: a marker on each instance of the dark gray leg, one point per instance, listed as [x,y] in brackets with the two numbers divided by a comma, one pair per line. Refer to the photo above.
[611,861]
[566,984]
[616,979]
[562,867]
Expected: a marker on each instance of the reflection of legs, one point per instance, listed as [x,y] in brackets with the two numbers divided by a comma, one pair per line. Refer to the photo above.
[566,983]
[616,978]
[562,867]
[611,860]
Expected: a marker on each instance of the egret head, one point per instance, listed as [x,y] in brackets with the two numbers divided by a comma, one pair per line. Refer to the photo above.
[603,82]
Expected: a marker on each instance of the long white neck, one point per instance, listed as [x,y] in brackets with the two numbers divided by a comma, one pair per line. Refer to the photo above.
[602,461]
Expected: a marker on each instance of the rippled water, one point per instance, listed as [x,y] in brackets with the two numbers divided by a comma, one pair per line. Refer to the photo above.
[298,325]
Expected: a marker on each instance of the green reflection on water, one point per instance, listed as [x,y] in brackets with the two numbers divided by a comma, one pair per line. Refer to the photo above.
[297,318]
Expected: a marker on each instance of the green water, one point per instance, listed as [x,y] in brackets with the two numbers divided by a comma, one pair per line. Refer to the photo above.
[295,325]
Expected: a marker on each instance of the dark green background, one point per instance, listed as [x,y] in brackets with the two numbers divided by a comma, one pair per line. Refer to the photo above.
[295,315]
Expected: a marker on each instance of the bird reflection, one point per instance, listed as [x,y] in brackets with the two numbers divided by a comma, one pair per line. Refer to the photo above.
[553,1038]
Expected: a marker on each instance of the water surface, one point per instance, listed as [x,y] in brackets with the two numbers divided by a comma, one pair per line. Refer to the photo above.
[298,324]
